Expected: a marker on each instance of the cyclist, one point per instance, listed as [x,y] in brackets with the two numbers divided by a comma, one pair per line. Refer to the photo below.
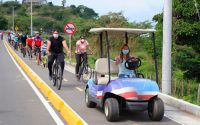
[12,39]
[16,41]
[44,47]
[37,46]
[23,40]
[120,61]
[29,44]
[1,35]
[81,48]
[44,57]
[9,37]
[20,41]
[54,50]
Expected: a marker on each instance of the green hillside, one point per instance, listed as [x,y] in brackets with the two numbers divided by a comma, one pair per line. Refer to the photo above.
[186,37]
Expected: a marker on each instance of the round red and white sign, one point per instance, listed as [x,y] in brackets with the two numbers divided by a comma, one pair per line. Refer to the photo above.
[70,28]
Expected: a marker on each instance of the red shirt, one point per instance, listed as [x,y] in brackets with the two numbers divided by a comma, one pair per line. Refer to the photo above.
[38,42]
[29,41]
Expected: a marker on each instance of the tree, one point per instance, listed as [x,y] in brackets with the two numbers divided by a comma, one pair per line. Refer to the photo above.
[50,3]
[113,20]
[3,23]
[186,37]
[63,3]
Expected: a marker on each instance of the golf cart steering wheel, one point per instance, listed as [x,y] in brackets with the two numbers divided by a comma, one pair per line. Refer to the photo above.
[133,63]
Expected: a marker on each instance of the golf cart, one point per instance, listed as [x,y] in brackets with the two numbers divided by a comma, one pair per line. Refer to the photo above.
[114,94]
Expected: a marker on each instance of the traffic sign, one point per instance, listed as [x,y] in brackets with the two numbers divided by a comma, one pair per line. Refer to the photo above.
[16,28]
[70,28]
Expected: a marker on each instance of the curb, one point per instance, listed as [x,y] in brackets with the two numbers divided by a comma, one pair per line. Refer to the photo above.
[70,117]
[180,104]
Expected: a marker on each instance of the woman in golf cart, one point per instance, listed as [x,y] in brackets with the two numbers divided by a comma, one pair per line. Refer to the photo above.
[121,60]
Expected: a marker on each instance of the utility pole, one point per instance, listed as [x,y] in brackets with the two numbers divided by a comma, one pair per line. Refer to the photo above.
[31,18]
[13,11]
[167,43]
[196,5]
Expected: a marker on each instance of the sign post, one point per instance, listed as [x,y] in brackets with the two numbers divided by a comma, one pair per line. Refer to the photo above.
[70,29]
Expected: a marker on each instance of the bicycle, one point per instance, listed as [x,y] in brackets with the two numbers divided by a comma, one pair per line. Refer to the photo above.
[57,74]
[29,50]
[23,51]
[44,60]
[16,46]
[38,54]
[84,71]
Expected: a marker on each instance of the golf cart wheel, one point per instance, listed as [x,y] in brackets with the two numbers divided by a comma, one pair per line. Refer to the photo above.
[156,109]
[89,103]
[111,109]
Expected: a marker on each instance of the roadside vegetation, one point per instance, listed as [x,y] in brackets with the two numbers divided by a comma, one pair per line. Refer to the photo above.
[185,46]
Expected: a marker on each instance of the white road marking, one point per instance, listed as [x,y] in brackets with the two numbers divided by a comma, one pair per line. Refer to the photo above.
[44,101]
[79,89]
[65,80]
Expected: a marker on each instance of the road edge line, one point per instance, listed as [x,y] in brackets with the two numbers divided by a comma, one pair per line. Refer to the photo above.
[37,92]
[69,115]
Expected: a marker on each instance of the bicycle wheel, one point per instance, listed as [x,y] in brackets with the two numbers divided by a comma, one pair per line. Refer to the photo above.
[54,75]
[79,77]
[59,77]
[86,75]
[24,52]
[38,58]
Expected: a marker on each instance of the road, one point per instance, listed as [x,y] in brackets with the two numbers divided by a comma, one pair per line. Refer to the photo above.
[18,102]
[72,92]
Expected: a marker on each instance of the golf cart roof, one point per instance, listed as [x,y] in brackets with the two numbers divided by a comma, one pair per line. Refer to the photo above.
[122,30]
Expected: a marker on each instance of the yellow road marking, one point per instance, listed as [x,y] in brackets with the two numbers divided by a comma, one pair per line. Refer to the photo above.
[79,89]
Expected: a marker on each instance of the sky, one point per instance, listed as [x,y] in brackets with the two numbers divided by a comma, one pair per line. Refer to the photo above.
[133,10]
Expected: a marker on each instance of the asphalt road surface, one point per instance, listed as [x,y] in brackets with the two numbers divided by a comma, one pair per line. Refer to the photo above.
[19,105]
[72,92]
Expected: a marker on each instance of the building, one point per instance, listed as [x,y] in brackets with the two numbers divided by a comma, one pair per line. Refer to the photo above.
[34,2]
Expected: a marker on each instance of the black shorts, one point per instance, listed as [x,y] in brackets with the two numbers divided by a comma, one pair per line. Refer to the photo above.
[60,57]
[37,49]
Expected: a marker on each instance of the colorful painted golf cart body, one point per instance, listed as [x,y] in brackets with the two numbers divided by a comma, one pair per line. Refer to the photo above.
[113,93]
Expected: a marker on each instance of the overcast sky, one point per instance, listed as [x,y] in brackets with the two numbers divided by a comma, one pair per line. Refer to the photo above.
[133,10]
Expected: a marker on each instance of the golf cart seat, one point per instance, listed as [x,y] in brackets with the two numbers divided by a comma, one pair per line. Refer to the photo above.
[102,70]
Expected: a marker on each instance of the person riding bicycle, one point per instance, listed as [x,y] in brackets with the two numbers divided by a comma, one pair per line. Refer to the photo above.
[54,51]
[16,41]
[29,44]
[37,46]
[81,49]
[44,47]
[2,35]
[23,39]
[9,37]
[120,61]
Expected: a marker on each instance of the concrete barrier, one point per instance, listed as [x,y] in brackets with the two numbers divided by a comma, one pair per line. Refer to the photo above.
[180,104]
[66,112]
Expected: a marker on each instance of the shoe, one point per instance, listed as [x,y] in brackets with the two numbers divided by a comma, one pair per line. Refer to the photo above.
[50,77]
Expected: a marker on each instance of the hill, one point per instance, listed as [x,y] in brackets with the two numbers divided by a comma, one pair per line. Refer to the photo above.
[186,37]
